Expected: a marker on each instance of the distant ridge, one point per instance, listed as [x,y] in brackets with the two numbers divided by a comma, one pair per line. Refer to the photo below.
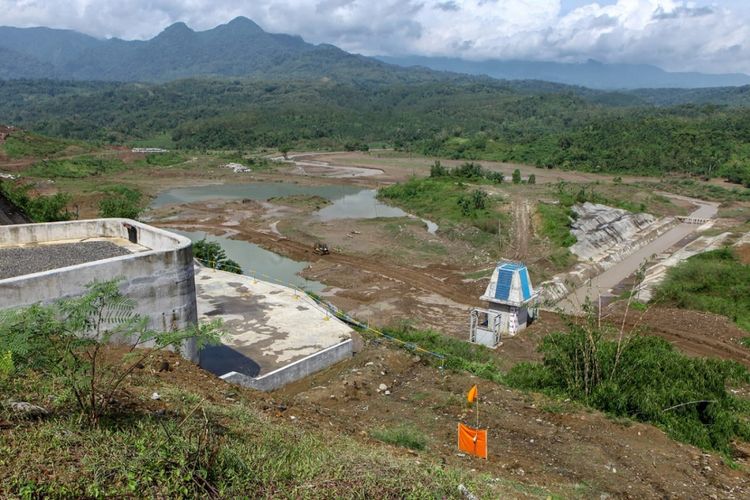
[592,74]
[241,48]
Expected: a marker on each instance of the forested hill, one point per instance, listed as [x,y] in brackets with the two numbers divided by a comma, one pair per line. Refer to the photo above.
[238,48]
[527,122]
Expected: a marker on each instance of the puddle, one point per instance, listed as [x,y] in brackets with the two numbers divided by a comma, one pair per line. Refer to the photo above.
[365,205]
[254,259]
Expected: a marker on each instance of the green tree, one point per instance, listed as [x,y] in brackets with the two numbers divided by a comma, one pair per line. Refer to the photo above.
[66,341]
[210,253]
[532,179]
[121,201]
[516,176]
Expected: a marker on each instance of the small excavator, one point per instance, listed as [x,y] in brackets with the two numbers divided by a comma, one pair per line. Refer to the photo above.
[321,248]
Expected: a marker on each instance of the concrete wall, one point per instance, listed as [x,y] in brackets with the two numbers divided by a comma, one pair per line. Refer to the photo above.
[161,279]
[294,371]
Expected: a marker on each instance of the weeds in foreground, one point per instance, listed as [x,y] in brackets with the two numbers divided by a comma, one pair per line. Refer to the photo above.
[407,436]
[66,342]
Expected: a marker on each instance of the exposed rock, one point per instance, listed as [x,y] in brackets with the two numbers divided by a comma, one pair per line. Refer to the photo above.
[598,228]
[25,409]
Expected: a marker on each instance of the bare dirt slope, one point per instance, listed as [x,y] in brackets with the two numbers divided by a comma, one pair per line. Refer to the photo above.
[536,441]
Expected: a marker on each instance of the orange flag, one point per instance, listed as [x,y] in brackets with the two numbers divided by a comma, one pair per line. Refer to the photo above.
[472,395]
[472,441]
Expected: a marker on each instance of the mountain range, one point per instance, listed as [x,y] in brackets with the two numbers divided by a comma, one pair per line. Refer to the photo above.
[241,48]
[591,74]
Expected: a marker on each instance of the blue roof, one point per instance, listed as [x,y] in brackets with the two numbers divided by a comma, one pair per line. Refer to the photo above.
[505,288]
[504,280]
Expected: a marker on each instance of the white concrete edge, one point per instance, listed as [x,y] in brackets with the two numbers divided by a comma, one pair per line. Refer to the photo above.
[181,242]
[232,374]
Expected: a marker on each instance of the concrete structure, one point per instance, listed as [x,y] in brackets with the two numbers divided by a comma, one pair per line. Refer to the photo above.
[156,268]
[274,335]
[512,302]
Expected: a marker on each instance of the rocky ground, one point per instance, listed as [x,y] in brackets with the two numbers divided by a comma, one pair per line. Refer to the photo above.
[17,261]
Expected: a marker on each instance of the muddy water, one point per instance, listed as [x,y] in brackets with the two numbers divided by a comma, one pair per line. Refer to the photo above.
[365,205]
[255,261]
[258,191]
[349,202]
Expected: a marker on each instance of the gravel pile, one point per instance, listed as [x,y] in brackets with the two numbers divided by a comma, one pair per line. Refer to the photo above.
[19,261]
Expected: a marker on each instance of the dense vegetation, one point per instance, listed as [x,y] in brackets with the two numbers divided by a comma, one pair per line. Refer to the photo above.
[121,201]
[536,123]
[713,281]
[643,378]
[38,208]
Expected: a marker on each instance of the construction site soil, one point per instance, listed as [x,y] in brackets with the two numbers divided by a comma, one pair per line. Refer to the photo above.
[538,443]
[384,271]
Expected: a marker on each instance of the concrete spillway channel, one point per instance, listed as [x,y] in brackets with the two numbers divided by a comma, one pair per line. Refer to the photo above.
[627,254]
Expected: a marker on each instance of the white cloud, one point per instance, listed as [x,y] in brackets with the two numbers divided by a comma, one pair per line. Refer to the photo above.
[705,35]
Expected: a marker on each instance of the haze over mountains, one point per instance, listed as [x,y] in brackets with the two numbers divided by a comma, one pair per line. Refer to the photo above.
[241,48]
[590,74]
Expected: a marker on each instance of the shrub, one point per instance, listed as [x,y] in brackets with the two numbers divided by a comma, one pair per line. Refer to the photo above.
[644,378]
[65,340]
[516,176]
[532,179]
[438,170]
[51,208]
[121,201]
[210,253]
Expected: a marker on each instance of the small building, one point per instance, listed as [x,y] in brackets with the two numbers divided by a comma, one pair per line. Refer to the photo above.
[511,305]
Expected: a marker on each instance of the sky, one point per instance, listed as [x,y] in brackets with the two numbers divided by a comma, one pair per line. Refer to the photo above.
[678,35]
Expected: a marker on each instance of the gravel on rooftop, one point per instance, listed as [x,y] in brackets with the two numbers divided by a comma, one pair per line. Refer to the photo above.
[17,261]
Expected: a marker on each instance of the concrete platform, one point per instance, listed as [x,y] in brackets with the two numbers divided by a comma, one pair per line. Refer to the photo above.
[274,335]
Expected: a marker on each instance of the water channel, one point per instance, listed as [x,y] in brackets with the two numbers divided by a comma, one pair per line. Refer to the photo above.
[256,261]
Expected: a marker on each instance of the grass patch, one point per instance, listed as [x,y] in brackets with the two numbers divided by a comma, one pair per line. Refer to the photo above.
[701,190]
[714,281]
[444,199]
[24,144]
[556,221]
[482,273]
[459,355]
[163,141]
[222,452]
[310,202]
[76,168]
[405,435]
[165,159]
